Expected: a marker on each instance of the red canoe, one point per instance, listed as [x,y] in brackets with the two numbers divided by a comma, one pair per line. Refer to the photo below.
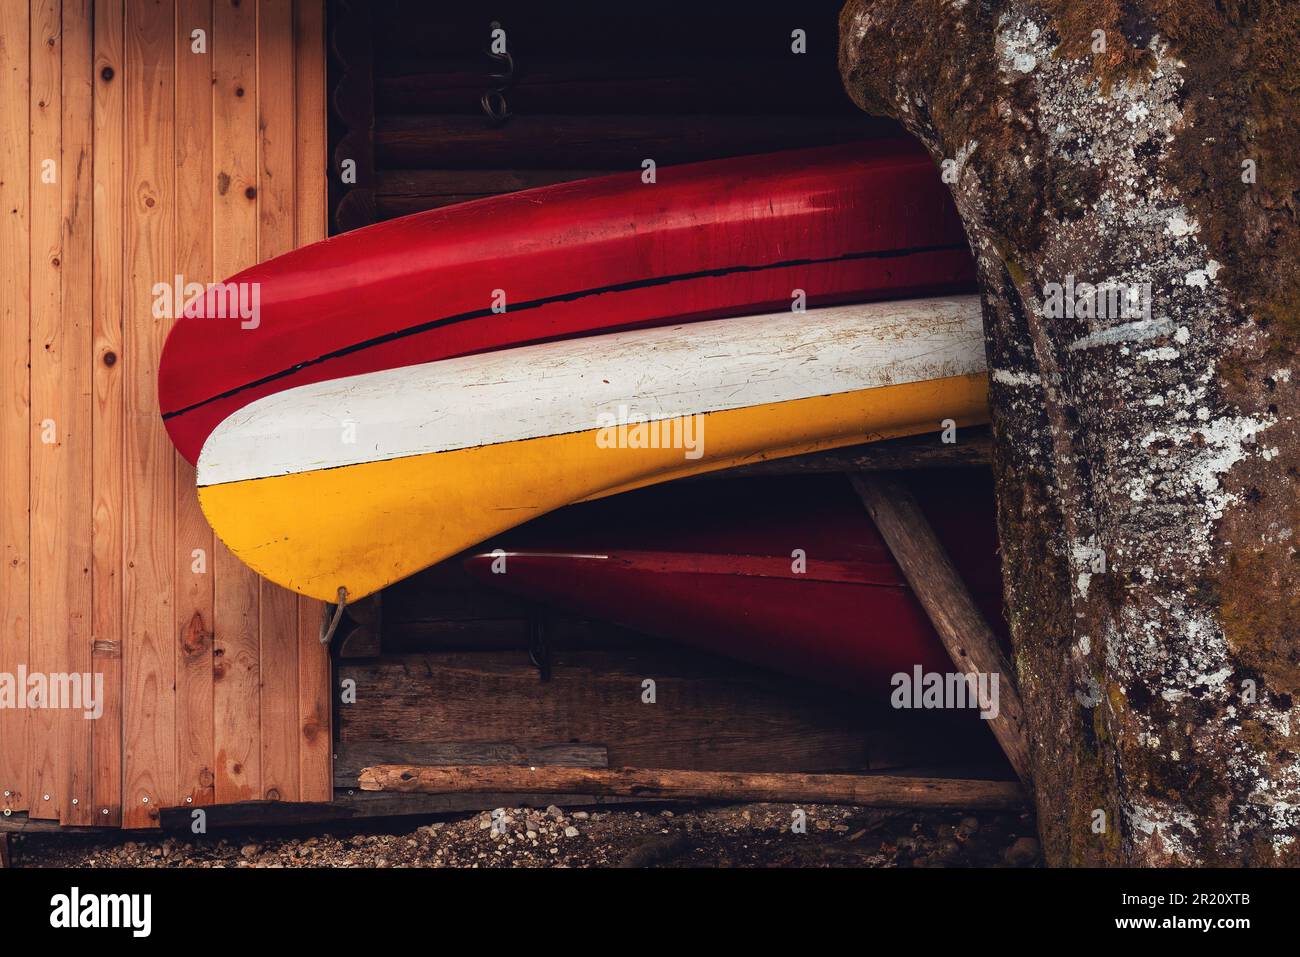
[729,237]
[709,564]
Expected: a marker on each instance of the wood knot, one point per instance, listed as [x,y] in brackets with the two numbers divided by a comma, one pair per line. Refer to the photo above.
[195,638]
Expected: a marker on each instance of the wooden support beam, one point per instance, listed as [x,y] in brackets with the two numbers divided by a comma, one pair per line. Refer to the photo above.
[652,783]
[913,452]
[354,756]
[665,84]
[612,141]
[964,632]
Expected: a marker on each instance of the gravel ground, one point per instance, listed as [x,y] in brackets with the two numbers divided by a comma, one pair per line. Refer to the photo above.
[751,835]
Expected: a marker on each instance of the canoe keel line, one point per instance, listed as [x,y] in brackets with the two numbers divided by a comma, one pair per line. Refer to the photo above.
[361,481]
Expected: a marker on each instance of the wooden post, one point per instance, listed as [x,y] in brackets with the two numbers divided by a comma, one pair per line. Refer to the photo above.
[657,783]
[963,630]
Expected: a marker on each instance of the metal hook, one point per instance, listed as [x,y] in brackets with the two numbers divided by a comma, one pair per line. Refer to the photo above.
[494,105]
[493,101]
[508,77]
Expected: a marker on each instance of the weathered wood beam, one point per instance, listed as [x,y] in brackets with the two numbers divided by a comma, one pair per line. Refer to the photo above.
[962,629]
[653,783]
[566,85]
[914,452]
[617,141]
[353,756]
[20,823]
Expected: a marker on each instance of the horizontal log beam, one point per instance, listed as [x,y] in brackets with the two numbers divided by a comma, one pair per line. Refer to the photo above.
[673,85]
[413,35]
[867,791]
[974,450]
[610,142]
[473,182]
[352,757]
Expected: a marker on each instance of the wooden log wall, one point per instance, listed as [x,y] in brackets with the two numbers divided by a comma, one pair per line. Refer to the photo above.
[141,139]
[707,714]
[597,89]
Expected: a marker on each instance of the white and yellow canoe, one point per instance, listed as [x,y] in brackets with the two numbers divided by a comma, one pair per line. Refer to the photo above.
[358,482]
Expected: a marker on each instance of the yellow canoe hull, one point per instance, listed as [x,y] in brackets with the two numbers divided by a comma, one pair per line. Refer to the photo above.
[363,526]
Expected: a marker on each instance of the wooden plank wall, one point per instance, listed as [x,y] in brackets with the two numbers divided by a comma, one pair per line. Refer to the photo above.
[15,387]
[139,140]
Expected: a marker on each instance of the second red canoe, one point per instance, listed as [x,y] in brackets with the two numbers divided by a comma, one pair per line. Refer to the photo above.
[789,573]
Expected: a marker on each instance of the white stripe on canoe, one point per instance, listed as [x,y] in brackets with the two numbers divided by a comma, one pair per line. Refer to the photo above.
[560,387]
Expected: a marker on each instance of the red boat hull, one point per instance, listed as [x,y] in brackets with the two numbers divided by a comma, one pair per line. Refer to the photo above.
[729,237]
[710,565]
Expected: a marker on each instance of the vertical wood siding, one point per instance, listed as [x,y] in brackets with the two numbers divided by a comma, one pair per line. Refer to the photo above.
[15,388]
[126,158]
